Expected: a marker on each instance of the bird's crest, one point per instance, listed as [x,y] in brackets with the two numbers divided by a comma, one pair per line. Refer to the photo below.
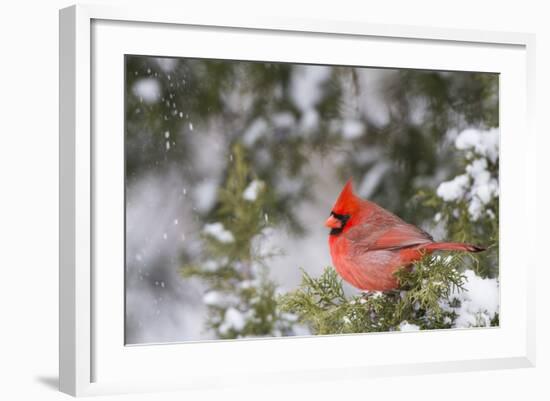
[347,201]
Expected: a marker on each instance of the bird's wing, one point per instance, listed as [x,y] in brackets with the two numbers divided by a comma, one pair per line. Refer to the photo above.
[388,234]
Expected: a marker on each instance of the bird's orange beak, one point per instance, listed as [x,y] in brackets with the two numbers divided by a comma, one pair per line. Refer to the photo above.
[333,222]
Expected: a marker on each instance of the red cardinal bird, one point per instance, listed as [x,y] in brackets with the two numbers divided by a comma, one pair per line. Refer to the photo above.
[368,243]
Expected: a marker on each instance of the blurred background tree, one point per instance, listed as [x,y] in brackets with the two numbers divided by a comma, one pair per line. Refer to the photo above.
[394,131]
[241,296]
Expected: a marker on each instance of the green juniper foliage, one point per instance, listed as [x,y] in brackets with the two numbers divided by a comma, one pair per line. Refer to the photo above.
[241,296]
[426,300]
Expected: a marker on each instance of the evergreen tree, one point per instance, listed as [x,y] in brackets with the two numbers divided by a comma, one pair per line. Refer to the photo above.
[241,296]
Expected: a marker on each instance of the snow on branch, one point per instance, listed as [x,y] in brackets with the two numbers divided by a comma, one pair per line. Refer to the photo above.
[433,295]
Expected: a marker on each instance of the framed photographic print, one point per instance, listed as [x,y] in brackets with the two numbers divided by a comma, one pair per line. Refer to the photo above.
[278,200]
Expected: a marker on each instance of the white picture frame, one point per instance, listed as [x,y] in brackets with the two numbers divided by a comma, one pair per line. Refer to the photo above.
[93,357]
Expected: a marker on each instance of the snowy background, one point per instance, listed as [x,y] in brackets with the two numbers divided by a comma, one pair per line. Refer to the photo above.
[305,129]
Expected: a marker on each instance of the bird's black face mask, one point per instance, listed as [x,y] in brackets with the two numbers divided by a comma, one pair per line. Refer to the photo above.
[343,218]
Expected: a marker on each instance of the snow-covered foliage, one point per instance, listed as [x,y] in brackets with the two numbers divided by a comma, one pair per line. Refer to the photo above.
[477,305]
[147,90]
[454,189]
[479,185]
[240,296]
[485,143]
[252,190]
[218,232]
[352,129]
[255,131]
[406,326]
[233,320]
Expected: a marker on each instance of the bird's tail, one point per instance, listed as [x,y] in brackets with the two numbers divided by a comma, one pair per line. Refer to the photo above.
[453,246]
